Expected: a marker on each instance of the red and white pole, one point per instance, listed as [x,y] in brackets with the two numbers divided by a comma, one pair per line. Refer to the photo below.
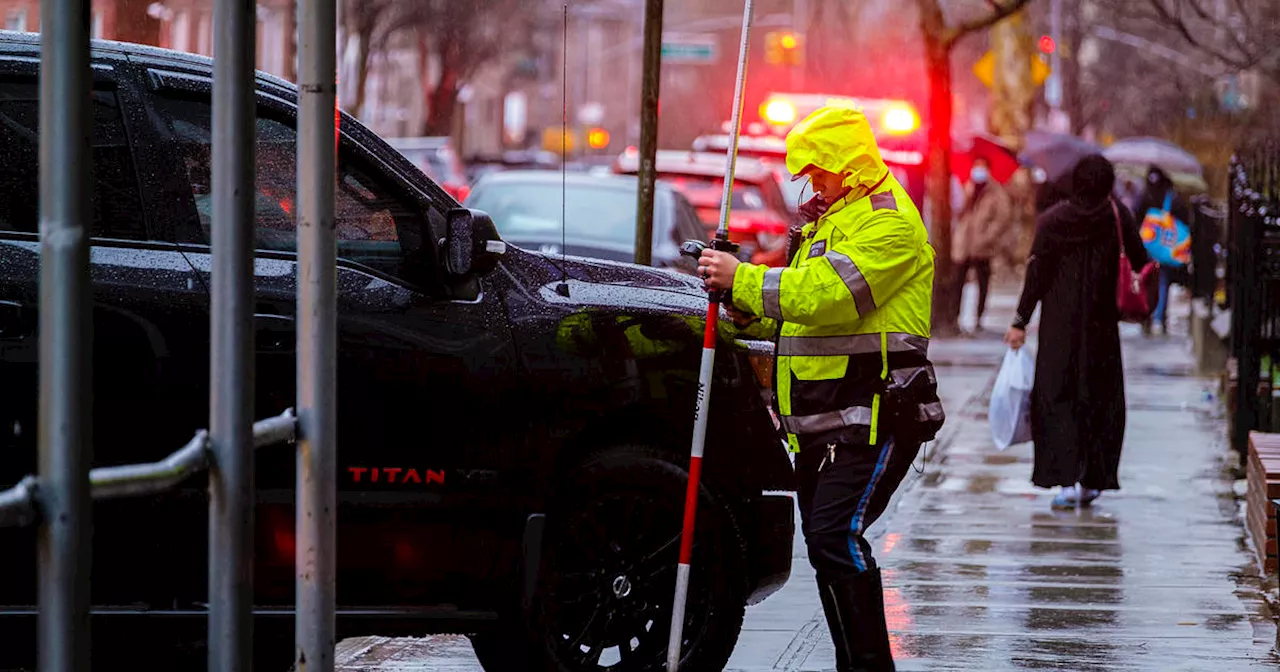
[721,242]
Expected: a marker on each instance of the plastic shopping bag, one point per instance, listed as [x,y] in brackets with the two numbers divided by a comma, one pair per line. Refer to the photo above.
[1010,410]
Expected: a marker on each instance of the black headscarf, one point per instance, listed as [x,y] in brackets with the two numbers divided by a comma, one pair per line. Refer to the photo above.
[1092,181]
[1159,185]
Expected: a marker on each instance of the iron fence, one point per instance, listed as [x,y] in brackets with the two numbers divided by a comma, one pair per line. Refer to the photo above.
[58,498]
[1254,286]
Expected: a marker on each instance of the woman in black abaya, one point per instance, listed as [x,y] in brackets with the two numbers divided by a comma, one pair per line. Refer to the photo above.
[1077,401]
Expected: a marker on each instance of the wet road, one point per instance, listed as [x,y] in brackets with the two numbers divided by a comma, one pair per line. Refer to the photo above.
[982,575]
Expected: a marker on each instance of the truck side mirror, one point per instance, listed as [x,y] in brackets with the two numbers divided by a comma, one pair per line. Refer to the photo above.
[472,244]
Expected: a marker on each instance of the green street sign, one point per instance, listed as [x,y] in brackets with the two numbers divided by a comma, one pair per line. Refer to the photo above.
[689,52]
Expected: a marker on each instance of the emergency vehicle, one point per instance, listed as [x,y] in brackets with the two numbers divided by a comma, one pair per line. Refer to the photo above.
[896,125]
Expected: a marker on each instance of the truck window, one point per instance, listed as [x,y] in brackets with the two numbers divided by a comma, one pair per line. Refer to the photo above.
[371,219]
[117,203]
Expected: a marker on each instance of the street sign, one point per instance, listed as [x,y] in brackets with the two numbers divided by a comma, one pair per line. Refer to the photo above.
[1039,70]
[985,69]
[689,49]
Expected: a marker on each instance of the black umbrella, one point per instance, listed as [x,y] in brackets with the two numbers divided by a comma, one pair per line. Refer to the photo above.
[1055,153]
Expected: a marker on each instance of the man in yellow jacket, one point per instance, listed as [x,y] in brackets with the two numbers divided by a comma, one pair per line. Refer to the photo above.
[856,392]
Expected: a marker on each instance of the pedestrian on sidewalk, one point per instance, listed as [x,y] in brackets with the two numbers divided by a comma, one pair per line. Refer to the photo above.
[1077,400]
[1160,195]
[856,393]
[981,231]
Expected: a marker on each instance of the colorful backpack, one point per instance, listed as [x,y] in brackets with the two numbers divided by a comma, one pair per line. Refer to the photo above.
[1167,238]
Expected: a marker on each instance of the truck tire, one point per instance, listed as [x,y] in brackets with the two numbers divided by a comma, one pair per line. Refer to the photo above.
[608,575]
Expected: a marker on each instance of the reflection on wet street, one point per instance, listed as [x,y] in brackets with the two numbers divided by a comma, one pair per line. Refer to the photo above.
[985,576]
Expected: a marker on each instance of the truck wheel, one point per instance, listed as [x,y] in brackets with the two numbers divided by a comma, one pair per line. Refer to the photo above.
[608,575]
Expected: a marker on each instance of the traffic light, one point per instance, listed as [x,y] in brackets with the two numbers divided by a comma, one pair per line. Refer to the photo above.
[1047,44]
[783,48]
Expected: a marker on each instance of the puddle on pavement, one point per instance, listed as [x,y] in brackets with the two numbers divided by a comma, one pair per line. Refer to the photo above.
[1106,573]
[1221,622]
[1068,619]
[1082,594]
[977,546]
[982,483]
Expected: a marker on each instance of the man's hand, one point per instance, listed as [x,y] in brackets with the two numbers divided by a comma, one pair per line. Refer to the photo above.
[717,269]
[1015,337]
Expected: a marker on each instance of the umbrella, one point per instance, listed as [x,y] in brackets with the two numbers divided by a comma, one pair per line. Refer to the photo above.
[1185,182]
[1056,153]
[1001,159]
[1153,151]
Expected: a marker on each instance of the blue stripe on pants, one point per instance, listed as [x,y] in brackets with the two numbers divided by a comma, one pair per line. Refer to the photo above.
[855,526]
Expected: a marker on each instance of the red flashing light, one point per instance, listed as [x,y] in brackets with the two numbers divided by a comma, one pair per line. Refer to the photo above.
[1047,44]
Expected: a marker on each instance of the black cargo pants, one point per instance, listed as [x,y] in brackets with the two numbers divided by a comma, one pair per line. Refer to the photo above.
[842,489]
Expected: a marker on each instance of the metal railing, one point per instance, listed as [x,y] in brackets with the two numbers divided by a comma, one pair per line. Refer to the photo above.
[58,499]
[1254,284]
[20,505]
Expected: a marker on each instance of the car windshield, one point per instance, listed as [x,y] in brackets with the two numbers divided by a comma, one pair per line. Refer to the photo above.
[706,192]
[434,162]
[592,212]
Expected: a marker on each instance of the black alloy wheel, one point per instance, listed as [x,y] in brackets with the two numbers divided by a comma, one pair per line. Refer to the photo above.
[609,570]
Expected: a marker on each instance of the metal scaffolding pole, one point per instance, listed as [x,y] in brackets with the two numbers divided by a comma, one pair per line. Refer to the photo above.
[317,335]
[66,369]
[231,481]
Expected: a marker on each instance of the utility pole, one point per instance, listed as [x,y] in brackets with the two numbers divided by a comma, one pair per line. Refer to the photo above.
[648,129]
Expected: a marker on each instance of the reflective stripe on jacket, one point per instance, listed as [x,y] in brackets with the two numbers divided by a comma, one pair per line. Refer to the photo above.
[854,303]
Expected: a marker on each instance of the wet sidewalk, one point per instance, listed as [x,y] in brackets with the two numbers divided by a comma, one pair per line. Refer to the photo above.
[982,575]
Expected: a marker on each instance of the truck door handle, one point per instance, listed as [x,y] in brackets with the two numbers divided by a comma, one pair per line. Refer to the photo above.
[16,321]
[274,333]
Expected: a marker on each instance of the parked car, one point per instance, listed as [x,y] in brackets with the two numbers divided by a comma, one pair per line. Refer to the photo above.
[758,218]
[435,157]
[513,427]
[596,218]
[769,149]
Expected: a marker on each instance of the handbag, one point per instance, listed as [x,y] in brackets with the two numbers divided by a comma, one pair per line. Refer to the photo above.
[1167,238]
[1136,292]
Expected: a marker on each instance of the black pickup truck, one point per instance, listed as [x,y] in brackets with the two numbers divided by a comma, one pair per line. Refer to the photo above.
[513,428]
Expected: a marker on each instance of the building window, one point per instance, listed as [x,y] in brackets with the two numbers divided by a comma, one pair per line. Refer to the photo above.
[15,19]
[97,26]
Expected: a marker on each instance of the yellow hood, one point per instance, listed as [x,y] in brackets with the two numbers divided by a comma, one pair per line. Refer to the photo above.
[838,139]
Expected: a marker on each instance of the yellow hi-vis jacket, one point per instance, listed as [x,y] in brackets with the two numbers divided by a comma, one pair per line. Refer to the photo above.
[854,303]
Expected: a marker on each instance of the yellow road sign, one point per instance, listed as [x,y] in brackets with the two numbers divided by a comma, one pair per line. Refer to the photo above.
[1039,70]
[985,69]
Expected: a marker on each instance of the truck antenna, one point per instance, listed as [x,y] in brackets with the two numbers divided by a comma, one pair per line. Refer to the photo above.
[563,288]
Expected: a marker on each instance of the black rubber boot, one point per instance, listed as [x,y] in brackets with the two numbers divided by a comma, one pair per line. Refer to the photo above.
[854,606]
[833,620]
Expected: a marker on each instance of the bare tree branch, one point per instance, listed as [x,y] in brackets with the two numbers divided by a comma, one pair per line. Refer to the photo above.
[999,10]
[1172,18]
